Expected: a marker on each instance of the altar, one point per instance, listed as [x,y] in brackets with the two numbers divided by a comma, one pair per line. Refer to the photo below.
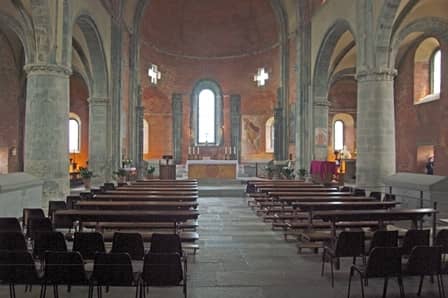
[212,169]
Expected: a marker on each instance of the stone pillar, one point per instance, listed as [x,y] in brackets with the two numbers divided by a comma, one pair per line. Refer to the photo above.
[320,113]
[375,131]
[141,166]
[46,128]
[278,130]
[98,145]
[177,127]
[235,123]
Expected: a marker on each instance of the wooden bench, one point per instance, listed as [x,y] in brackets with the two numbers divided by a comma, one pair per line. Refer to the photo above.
[101,226]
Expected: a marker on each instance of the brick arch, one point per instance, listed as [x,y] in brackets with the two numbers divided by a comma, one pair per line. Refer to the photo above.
[24,34]
[435,27]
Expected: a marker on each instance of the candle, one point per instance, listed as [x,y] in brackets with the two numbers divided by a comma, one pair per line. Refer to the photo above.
[234,149]
[189,150]
[225,149]
[198,150]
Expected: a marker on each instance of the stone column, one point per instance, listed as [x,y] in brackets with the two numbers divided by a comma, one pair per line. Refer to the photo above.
[98,130]
[177,127]
[46,128]
[320,116]
[141,166]
[235,123]
[375,131]
[278,130]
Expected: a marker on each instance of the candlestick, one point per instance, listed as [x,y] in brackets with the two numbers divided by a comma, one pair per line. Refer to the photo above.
[198,150]
[234,149]
[225,149]
[189,150]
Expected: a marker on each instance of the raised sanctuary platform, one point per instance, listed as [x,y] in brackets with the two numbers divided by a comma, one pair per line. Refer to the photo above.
[212,169]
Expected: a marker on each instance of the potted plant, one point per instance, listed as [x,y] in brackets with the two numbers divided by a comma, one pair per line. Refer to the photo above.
[288,173]
[121,175]
[302,173]
[86,176]
[150,172]
[269,171]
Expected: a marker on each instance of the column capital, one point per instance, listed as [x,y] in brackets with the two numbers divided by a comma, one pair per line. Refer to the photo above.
[321,102]
[378,74]
[48,69]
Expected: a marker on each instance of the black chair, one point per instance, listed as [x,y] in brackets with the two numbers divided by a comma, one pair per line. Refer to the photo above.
[163,270]
[53,241]
[88,244]
[131,243]
[382,238]
[109,186]
[376,195]
[346,189]
[38,225]
[382,262]
[113,270]
[414,238]
[10,224]
[348,244]
[442,241]
[12,241]
[168,243]
[358,192]
[425,260]
[55,205]
[64,268]
[29,213]
[18,268]
[389,197]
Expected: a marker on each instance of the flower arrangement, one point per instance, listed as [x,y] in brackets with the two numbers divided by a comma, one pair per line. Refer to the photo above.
[127,163]
[288,172]
[85,173]
[150,170]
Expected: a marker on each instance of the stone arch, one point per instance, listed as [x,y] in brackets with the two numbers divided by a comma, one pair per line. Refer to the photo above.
[433,26]
[219,109]
[23,33]
[384,30]
[99,72]
[321,80]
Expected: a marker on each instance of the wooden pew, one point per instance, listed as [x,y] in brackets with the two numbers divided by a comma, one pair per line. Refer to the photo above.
[135,205]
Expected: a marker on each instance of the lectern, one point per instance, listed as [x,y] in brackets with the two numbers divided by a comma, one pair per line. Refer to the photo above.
[167,168]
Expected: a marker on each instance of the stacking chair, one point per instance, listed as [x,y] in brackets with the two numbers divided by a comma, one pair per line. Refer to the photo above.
[376,195]
[346,189]
[113,270]
[131,243]
[382,238]
[414,238]
[348,244]
[29,213]
[88,244]
[55,205]
[18,268]
[442,241]
[382,262]
[359,192]
[53,241]
[38,225]
[12,241]
[64,268]
[109,186]
[425,260]
[389,197]
[10,224]
[168,243]
[163,270]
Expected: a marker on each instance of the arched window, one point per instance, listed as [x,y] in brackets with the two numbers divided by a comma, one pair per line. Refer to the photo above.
[436,71]
[206,121]
[145,137]
[206,114]
[270,128]
[338,130]
[74,133]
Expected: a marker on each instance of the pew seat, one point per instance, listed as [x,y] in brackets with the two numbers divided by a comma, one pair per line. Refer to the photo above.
[188,225]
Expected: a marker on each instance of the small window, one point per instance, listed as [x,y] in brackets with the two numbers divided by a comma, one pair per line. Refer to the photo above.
[206,119]
[270,129]
[436,71]
[338,135]
[74,135]
[145,137]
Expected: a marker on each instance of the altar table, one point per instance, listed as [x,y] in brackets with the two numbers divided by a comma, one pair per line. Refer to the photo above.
[212,169]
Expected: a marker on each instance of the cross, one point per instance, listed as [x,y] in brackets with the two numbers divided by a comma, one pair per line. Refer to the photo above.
[154,74]
[261,77]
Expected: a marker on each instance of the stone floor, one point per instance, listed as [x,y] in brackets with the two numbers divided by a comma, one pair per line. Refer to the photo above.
[241,256]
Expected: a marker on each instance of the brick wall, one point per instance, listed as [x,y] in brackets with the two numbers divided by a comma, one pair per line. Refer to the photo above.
[423,124]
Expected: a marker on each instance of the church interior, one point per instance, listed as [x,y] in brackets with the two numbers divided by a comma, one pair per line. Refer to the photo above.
[262,132]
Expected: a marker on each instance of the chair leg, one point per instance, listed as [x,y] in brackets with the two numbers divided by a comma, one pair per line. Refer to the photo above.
[12,290]
[386,279]
[332,272]
[44,290]
[362,288]
[323,262]
[350,282]
[55,291]
[442,285]
[420,285]
[99,292]
[400,285]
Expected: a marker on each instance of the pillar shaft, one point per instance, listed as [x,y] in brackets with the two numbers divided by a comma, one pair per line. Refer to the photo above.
[98,145]
[320,113]
[375,129]
[46,128]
